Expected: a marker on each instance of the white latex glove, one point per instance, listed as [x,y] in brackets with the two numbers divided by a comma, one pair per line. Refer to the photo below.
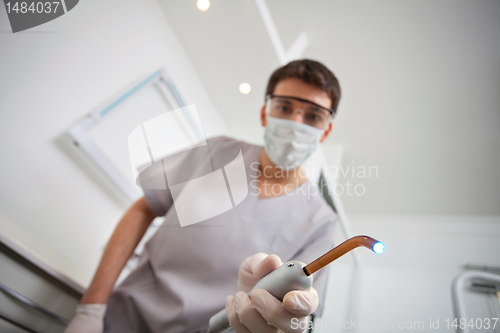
[89,318]
[262,312]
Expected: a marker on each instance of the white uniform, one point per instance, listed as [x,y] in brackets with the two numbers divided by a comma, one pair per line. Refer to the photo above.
[185,273]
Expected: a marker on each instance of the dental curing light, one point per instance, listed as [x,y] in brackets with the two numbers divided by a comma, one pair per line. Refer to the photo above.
[295,275]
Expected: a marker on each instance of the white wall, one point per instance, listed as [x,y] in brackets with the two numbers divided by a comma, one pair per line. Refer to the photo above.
[411,280]
[421,102]
[53,75]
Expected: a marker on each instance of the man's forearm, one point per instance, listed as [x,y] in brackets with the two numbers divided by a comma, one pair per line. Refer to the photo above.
[122,243]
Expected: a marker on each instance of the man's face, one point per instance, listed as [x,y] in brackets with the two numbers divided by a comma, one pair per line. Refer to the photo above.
[297,88]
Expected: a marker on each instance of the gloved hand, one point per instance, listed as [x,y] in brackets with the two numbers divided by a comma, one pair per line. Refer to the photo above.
[89,318]
[262,312]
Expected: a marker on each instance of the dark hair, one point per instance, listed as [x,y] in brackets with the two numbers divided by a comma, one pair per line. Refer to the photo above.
[311,72]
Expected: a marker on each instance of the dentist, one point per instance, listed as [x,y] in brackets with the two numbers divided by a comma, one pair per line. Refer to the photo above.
[185,274]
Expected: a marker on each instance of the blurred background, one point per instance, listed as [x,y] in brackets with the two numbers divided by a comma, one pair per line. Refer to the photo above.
[420,102]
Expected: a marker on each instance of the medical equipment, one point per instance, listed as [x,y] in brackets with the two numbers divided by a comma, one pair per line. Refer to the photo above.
[480,310]
[295,275]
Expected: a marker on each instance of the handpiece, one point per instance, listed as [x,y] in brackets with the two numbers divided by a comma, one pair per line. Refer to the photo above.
[295,275]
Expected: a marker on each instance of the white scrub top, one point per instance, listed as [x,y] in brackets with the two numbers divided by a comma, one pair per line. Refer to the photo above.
[185,273]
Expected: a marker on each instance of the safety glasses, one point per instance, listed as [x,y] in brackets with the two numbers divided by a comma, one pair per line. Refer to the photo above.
[285,107]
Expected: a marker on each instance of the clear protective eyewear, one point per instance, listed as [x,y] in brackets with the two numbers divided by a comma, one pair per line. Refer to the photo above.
[285,107]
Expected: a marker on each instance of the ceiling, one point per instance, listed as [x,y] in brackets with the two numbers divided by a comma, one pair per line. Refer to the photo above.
[410,72]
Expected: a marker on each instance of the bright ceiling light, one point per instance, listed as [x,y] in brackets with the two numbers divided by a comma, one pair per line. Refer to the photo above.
[245,88]
[203,4]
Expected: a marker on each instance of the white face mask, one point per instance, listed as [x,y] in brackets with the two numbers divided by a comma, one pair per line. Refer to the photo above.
[289,143]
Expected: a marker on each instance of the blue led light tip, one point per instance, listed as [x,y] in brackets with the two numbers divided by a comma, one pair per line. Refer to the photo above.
[378,247]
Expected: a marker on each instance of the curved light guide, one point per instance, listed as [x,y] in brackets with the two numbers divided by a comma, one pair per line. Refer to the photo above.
[340,250]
